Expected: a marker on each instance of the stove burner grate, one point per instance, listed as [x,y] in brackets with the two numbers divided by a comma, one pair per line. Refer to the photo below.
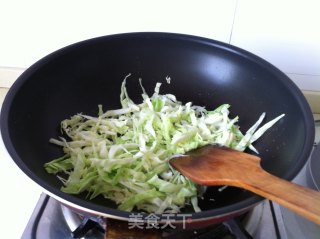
[80,226]
[49,220]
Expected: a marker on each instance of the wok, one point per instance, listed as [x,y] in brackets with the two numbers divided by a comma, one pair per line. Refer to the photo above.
[79,77]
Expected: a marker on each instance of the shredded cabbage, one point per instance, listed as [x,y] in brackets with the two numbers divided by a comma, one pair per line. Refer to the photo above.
[123,154]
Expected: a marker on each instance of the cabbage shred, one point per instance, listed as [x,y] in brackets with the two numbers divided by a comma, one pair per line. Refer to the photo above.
[123,154]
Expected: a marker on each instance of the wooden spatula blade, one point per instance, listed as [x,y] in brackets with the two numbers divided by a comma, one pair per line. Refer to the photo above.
[215,165]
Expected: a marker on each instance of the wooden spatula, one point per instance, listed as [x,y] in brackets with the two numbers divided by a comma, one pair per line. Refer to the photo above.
[214,165]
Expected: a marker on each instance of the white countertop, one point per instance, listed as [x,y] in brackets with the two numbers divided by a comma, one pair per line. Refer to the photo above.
[19,193]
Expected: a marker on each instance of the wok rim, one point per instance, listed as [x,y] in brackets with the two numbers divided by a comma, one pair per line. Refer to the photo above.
[111,212]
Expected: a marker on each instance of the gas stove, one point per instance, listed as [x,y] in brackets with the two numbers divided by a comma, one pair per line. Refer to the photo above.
[51,219]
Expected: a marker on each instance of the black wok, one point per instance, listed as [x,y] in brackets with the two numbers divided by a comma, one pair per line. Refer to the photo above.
[79,77]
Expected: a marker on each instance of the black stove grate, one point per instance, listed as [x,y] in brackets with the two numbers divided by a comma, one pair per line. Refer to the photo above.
[48,221]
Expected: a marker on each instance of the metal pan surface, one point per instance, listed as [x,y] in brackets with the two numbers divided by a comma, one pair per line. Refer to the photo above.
[79,77]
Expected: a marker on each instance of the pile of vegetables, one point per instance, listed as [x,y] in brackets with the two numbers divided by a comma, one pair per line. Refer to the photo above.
[123,154]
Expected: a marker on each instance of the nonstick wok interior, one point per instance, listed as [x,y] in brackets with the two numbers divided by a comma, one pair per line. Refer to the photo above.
[81,76]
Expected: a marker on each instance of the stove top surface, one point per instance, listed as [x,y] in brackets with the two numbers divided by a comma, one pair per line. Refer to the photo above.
[49,221]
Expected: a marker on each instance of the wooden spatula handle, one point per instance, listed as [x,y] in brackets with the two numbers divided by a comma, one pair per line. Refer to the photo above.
[301,200]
